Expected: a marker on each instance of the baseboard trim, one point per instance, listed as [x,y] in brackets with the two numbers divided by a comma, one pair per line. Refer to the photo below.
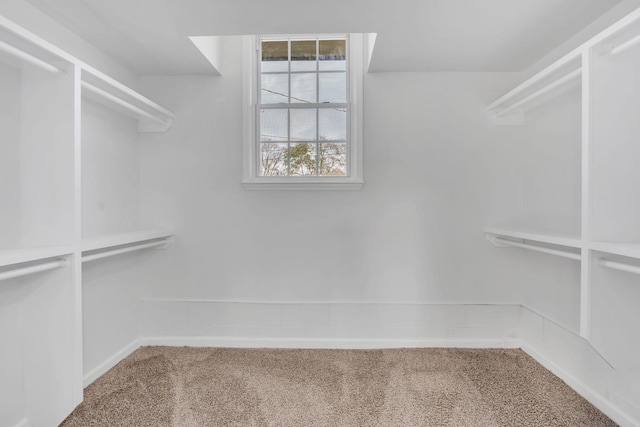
[327,302]
[112,361]
[325,343]
[597,400]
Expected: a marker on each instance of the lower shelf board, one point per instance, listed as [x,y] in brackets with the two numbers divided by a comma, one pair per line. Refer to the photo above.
[127,238]
[561,239]
[631,250]
[117,244]
[21,255]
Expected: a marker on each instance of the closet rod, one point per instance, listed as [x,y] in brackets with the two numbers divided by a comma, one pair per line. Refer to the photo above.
[106,254]
[18,272]
[540,92]
[542,249]
[121,102]
[620,266]
[12,50]
[626,45]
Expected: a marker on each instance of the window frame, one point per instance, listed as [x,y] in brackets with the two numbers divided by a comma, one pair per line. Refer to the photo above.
[252,180]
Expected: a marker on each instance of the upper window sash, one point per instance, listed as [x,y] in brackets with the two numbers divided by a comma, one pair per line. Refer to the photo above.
[295,64]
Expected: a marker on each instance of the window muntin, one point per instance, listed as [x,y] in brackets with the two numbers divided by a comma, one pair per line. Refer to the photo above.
[303,107]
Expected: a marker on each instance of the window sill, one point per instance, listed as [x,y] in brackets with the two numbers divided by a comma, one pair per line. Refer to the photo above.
[289,184]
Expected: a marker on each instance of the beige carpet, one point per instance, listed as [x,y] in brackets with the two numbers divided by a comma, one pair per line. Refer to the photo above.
[168,386]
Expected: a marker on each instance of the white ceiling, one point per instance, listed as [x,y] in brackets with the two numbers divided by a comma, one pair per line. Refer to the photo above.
[151,36]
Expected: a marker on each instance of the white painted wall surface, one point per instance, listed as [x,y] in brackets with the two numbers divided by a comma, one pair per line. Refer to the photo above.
[110,204]
[35,363]
[110,163]
[551,203]
[12,398]
[111,303]
[433,164]
[10,155]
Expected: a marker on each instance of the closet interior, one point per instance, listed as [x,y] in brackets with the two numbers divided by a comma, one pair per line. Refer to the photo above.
[74,242]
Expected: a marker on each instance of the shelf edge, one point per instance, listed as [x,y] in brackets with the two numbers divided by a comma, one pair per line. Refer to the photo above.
[18,256]
[117,239]
[572,242]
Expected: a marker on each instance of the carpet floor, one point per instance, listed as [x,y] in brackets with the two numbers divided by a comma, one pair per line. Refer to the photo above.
[171,386]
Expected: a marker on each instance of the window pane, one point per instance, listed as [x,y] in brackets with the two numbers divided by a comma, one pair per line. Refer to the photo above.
[333,55]
[275,56]
[333,158]
[273,159]
[303,124]
[275,88]
[333,87]
[303,159]
[303,55]
[303,87]
[333,124]
[274,124]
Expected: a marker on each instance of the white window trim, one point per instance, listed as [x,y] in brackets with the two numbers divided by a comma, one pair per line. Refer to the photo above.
[250,178]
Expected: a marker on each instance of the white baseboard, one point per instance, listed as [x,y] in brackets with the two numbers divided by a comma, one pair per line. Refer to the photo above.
[95,373]
[326,343]
[23,423]
[612,411]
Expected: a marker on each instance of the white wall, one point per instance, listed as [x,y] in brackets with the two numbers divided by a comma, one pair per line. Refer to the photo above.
[10,125]
[13,402]
[433,164]
[110,163]
[110,193]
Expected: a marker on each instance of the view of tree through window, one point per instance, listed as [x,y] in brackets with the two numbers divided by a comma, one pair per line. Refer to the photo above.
[303,107]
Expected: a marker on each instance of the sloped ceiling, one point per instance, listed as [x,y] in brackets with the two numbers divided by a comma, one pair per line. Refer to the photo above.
[152,36]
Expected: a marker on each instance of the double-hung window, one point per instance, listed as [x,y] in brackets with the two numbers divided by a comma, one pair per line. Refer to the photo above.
[303,122]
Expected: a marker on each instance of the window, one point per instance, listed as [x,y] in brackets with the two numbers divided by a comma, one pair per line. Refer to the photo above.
[302,120]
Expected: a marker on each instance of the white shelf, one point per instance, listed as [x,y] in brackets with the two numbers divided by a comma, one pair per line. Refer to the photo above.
[25,47]
[129,238]
[151,116]
[568,240]
[631,250]
[22,57]
[108,246]
[507,110]
[17,256]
